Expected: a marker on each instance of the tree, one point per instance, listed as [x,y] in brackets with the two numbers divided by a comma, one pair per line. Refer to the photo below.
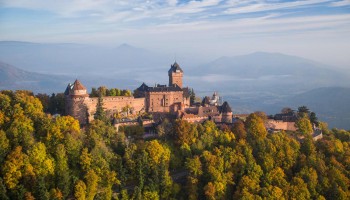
[239,130]
[3,191]
[43,165]
[91,184]
[21,129]
[94,92]
[298,189]
[286,110]
[100,113]
[4,146]
[165,129]
[303,111]
[314,119]
[62,171]
[85,159]
[45,101]
[157,153]
[192,96]
[41,189]
[150,195]
[255,127]
[13,168]
[80,190]
[304,126]
[57,104]
[102,91]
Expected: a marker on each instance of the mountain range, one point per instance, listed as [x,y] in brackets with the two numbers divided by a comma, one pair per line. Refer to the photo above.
[13,78]
[257,81]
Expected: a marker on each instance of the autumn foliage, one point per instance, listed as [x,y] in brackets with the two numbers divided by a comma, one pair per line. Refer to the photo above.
[46,157]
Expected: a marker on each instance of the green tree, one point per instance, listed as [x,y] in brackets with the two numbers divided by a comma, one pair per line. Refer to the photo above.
[43,165]
[62,171]
[13,168]
[91,184]
[255,127]
[102,91]
[192,96]
[303,111]
[41,189]
[4,146]
[3,192]
[94,92]
[314,119]
[304,126]
[100,113]
[239,130]
[21,129]
[298,189]
[45,101]
[80,190]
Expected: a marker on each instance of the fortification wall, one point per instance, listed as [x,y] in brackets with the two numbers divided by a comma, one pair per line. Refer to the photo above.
[281,125]
[84,108]
[195,119]
[116,104]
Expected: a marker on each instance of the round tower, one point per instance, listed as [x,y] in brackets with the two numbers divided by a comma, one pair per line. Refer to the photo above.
[175,75]
[76,94]
[226,113]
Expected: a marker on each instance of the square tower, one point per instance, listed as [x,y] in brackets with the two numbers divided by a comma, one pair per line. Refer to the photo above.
[175,75]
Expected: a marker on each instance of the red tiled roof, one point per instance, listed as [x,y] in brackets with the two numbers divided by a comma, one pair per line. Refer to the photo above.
[78,86]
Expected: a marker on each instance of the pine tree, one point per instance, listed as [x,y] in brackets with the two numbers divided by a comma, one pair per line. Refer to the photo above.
[3,194]
[100,113]
[192,96]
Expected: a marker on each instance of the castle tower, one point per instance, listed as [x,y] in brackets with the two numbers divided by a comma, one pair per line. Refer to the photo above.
[175,75]
[226,113]
[76,94]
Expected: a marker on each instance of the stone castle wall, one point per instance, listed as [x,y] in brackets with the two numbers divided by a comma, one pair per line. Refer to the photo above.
[115,104]
[280,125]
[84,108]
[162,101]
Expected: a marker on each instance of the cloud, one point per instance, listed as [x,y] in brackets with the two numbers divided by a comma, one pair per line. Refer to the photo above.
[341,3]
[266,6]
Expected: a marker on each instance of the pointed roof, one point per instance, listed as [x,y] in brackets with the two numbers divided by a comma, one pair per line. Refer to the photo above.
[175,67]
[69,87]
[78,86]
[206,101]
[225,108]
[143,87]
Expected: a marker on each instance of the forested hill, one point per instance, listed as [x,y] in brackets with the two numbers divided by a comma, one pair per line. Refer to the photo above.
[13,78]
[46,157]
[330,103]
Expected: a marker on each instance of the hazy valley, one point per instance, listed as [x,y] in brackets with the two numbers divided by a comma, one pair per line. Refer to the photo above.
[257,81]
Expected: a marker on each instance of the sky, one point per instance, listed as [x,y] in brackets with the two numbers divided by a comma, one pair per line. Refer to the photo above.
[315,29]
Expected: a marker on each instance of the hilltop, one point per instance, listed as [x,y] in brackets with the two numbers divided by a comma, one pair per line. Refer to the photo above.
[13,78]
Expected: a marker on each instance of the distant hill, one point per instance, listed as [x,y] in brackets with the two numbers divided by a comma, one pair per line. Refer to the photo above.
[79,59]
[332,104]
[271,72]
[13,78]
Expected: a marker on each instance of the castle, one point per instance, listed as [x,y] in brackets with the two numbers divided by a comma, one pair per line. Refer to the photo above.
[172,99]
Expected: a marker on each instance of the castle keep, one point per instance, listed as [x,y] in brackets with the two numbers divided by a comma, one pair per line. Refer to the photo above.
[172,99]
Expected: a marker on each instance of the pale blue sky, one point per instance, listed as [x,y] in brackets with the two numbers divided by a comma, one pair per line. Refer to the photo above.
[316,29]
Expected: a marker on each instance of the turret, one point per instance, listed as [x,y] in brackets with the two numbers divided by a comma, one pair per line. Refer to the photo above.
[175,75]
[226,113]
[75,95]
[78,89]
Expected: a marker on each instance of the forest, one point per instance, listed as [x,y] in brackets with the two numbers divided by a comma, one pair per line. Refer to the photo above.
[45,156]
